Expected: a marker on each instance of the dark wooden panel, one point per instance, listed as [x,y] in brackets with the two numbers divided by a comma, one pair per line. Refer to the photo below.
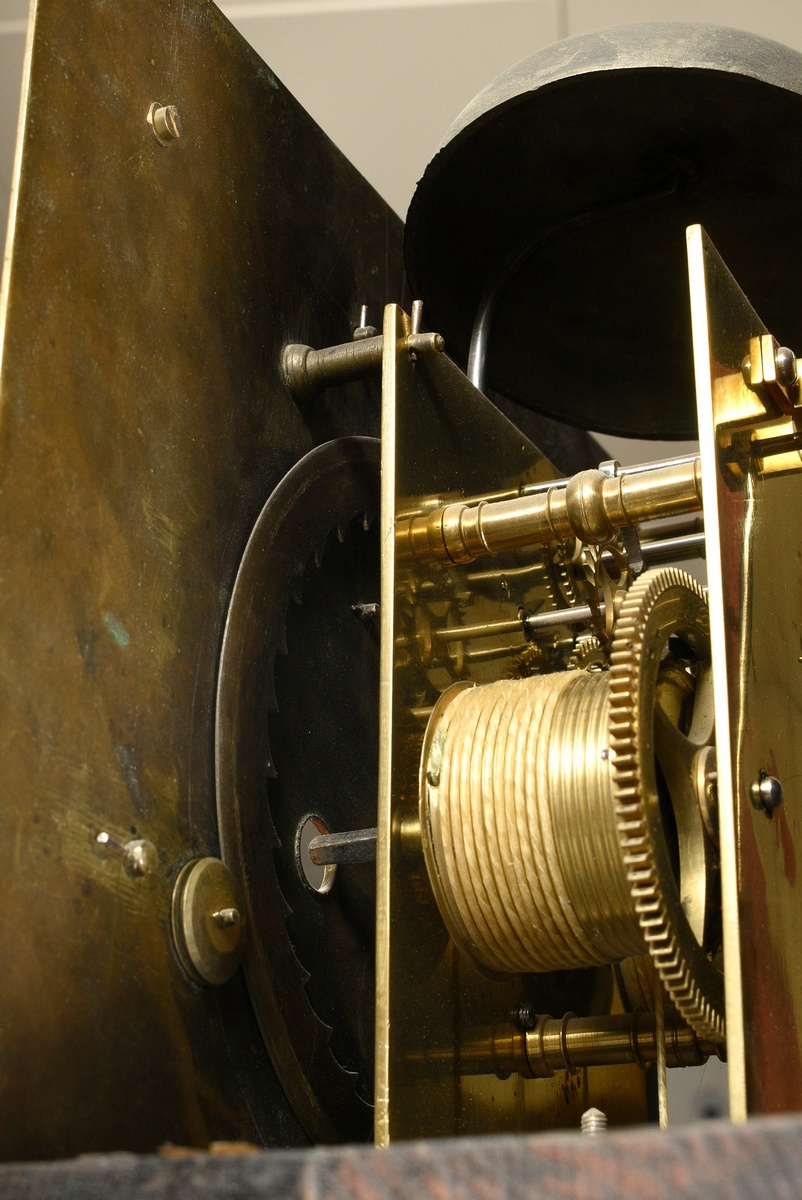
[711,1161]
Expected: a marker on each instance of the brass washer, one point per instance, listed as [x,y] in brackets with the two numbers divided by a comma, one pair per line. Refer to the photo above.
[207,934]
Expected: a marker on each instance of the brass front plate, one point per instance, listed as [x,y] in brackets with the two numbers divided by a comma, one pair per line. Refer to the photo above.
[754,554]
[435,1014]
[149,291]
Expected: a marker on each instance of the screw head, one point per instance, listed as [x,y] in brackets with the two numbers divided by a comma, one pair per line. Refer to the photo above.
[785,365]
[140,857]
[766,793]
[746,371]
[165,121]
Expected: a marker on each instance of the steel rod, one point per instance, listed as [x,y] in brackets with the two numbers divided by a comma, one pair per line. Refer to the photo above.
[356,845]
[465,633]
[575,615]
[680,460]
[561,616]
[686,545]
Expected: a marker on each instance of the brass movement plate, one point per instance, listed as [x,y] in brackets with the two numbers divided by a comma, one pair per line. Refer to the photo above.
[148,293]
[752,509]
[435,1014]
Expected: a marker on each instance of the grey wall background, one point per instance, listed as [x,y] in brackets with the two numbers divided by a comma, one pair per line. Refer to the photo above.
[385,79]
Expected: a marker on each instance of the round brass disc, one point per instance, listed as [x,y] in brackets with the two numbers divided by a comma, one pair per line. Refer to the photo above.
[207,921]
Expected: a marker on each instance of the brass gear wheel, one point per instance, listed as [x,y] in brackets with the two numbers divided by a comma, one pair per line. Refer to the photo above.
[281,760]
[661,728]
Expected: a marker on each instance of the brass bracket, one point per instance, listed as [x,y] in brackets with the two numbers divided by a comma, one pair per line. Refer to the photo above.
[306,371]
[771,371]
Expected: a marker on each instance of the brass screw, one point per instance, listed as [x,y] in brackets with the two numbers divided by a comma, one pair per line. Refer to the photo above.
[226,918]
[165,121]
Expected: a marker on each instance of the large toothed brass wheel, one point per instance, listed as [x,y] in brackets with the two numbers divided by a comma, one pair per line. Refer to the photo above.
[661,732]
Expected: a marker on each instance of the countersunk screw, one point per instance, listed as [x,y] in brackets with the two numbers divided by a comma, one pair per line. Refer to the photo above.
[165,121]
[766,793]
[593,1121]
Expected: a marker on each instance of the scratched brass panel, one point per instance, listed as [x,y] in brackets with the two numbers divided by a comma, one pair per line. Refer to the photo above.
[435,1014]
[143,426]
[754,556]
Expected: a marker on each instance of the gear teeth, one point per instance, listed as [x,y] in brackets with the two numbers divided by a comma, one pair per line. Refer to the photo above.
[662,940]
[295,594]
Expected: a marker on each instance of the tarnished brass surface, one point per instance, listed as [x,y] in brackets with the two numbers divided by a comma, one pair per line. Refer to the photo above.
[150,289]
[441,441]
[307,372]
[755,582]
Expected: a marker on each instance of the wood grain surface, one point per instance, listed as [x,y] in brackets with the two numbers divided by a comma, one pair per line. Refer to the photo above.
[714,1160]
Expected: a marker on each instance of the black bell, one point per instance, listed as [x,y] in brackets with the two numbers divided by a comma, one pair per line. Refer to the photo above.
[558,203]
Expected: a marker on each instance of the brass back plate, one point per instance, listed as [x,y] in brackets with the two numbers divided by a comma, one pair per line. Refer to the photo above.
[436,1016]
[754,554]
[148,293]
